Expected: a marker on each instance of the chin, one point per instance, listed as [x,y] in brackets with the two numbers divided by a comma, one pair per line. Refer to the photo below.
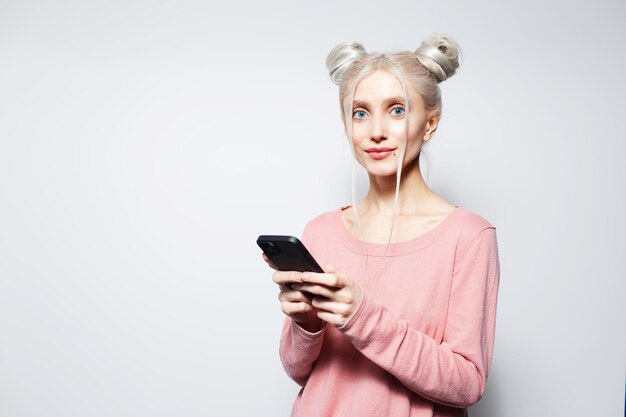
[387,169]
[383,174]
[382,171]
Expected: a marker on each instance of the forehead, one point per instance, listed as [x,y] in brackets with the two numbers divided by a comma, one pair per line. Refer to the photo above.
[378,86]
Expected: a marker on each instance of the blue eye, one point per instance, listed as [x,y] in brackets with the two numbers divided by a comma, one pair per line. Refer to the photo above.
[359,114]
[398,113]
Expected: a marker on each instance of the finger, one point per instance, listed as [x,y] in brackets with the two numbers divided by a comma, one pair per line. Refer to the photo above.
[286,287]
[296,308]
[329,317]
[287,277]
[294,296]
[315,289]
[330,279]
[339,309]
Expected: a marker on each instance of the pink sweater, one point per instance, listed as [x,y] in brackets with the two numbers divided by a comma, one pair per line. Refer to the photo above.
[421,340]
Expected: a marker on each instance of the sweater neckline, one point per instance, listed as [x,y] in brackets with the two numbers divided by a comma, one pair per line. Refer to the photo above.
[397,248]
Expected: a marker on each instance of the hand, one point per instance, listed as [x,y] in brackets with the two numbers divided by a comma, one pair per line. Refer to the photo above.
[335,296]
[296,304]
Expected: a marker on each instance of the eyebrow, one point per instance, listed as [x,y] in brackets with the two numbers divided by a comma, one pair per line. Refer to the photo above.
[386,102]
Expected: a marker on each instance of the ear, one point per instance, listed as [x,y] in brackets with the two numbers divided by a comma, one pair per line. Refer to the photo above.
[431,126]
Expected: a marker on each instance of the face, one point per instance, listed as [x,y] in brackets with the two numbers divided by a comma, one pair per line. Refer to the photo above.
[379,125]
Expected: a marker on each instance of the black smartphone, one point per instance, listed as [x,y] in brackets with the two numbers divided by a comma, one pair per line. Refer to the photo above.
[288,253]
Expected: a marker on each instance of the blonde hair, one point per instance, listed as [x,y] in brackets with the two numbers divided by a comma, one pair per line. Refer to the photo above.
[435,60]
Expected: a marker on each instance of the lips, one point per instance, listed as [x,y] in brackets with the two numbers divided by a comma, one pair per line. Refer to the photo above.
[379,153]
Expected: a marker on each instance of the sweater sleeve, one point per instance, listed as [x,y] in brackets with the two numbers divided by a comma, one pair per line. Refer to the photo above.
[299,348]
[453,372]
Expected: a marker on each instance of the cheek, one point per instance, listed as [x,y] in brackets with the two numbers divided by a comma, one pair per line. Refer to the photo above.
[359,132]
[415,140]
[398,129]
[417,131]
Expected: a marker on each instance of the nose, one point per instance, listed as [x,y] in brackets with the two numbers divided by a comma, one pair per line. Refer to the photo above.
[379,129]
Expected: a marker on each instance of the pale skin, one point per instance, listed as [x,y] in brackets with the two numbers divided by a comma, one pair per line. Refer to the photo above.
[314,299]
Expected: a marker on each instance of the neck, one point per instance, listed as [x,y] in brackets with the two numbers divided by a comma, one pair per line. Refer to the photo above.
[413,195]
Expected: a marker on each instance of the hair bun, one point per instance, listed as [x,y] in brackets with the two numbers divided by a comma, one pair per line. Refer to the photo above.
[439,53]
[341,57]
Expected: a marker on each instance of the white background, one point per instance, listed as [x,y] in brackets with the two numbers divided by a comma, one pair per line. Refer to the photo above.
[145,145]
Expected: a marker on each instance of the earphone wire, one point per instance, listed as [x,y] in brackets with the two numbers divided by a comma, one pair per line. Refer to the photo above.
[354,181]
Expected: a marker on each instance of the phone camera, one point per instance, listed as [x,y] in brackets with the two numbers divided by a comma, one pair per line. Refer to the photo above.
[271,249]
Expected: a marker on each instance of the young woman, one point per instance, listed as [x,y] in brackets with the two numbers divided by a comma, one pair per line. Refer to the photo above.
[402,321]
